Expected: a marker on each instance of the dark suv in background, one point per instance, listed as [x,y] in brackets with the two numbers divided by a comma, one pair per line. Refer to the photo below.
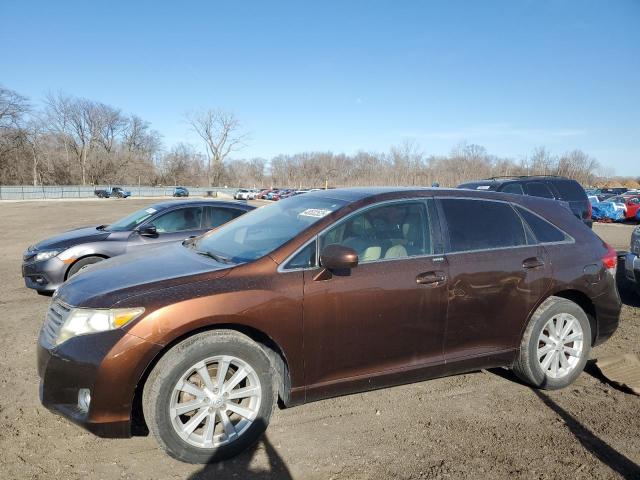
[557,188]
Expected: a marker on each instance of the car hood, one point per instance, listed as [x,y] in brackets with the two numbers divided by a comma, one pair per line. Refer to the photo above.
[71,238]
[105,283]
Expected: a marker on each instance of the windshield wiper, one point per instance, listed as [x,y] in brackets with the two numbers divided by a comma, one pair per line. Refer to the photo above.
[101,227]
[216,257]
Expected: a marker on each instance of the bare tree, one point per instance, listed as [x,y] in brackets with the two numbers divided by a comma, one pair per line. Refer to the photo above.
[221,133]
[13,107]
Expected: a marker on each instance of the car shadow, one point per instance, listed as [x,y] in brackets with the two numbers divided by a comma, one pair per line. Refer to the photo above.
[616,461]
[591,442]
[626,289]
[240,467]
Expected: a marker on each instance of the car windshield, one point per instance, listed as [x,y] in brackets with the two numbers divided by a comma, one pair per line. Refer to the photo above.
[131,221]
[261,231]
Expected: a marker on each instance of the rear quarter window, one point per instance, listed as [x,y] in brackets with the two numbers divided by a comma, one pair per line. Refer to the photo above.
[544,231]
[539,189]
[569,190]
[515,188]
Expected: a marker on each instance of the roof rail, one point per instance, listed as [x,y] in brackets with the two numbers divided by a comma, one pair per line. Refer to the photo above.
[524,176]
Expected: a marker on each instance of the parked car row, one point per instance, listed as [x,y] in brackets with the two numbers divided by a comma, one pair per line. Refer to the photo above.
[274,194]
[197,340]
[616,207]
[119,192]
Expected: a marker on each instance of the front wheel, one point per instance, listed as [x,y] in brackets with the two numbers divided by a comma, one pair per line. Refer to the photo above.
[210,397]
[555,346]
[81,264]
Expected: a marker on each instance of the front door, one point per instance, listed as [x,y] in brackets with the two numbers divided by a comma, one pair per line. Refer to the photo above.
[386,314]
[173,226]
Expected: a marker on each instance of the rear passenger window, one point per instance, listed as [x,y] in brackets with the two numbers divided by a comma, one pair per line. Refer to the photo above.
[543,230]
[513,188]
[481,225]
[216,216]
[538,189]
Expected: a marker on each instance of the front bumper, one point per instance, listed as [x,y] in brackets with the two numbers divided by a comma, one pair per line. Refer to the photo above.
[44,276]
[109,364]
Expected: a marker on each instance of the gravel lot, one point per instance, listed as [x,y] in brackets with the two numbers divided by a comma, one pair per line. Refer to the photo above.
[483,424]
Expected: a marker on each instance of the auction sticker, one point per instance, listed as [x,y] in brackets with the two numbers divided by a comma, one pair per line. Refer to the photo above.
[315,212]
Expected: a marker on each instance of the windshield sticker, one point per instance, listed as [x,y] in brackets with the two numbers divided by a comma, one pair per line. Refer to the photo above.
[315,212]
[151,210]
[482,187]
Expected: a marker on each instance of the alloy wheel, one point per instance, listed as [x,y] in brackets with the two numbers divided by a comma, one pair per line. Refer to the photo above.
[215,401]
[560,345]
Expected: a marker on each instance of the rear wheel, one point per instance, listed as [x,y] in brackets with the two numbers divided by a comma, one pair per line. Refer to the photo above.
[210,397]
[555,346]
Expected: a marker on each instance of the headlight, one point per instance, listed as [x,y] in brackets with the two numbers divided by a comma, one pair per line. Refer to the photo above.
[82,321]
[46,255]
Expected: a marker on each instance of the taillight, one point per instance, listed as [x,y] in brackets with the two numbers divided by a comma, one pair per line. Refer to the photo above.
[610,259]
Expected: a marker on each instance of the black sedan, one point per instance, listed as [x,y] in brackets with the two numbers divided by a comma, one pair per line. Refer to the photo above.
[47,264]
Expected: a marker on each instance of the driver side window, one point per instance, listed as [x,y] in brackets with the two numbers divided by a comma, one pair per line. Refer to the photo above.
[179,219]
[389,231]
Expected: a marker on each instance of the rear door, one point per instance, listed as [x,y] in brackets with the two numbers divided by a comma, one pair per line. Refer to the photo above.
[497,274]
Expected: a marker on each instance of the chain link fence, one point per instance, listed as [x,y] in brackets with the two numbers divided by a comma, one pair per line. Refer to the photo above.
[30,192]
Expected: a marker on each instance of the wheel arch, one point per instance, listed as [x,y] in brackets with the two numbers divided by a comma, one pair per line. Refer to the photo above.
[99,255]
[584,302]
[272,349]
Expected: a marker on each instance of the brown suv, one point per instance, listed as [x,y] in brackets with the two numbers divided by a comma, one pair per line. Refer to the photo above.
[324,294]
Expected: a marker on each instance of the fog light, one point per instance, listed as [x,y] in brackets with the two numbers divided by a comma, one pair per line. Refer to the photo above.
[84,399]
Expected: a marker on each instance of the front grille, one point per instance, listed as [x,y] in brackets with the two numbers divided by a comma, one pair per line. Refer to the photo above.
[53,321]
[635,246]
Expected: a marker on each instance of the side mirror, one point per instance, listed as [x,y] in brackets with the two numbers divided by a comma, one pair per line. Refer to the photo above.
[338,257]
[148,231]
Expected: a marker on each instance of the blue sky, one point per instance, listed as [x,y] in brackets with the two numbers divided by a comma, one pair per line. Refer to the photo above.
[349,75]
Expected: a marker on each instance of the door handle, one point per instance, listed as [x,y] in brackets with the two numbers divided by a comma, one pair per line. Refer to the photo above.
[532,262]
[433,279]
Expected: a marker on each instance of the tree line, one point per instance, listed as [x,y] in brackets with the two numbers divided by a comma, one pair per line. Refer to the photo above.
[71,140]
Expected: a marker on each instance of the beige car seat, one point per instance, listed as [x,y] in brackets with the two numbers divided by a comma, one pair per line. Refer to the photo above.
[397,251]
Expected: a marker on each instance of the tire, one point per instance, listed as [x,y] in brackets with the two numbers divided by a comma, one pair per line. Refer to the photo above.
[546,333]
[82,263]
[179,366]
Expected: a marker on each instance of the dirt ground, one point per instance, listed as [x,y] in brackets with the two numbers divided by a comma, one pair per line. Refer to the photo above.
[478,425]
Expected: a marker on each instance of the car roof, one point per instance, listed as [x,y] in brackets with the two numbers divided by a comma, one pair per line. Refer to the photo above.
[196,202]
[525,178]
[356,194]
[352,194]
